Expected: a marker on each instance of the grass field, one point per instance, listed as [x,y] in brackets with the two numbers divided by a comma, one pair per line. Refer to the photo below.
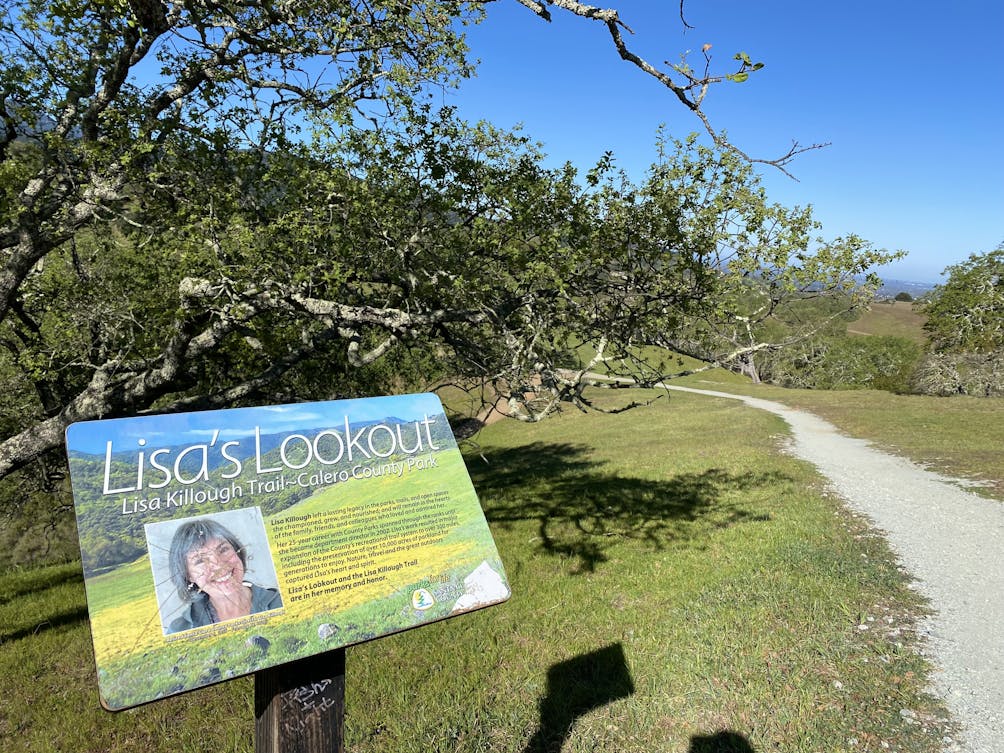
[678,585]
[960,436]
[895,318]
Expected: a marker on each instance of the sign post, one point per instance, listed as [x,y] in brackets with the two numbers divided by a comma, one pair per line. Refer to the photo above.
[300,707]
[264,541]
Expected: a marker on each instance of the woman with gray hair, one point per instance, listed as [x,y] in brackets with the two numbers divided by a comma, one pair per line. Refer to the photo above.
[207,565]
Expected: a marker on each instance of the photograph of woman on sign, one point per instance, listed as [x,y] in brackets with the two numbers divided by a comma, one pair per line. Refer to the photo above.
[207,567]
[210,576]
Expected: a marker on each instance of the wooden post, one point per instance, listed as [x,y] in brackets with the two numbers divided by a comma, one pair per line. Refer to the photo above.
[300,707]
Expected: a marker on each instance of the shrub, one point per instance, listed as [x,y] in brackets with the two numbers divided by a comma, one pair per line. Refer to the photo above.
[975,374]
[845,362]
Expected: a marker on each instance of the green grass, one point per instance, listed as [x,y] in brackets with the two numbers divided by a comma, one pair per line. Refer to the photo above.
[674,577]
[895,318]
[959,436]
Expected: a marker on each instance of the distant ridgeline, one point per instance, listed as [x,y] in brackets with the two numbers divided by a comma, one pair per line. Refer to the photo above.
[891,288]
[888,288]
[283,469]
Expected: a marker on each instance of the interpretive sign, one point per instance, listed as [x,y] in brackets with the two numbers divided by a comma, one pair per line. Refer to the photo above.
[220,543]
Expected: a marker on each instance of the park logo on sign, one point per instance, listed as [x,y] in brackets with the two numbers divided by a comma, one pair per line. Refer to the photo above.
[421,599]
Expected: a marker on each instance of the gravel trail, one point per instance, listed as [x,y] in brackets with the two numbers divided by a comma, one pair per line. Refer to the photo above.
[950,540]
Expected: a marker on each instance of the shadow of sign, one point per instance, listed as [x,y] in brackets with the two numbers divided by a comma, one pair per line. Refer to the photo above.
[574,688]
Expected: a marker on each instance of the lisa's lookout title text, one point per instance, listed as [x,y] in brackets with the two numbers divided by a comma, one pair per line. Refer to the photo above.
[181,475]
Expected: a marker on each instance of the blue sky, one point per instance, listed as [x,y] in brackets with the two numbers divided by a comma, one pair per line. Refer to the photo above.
[910,95]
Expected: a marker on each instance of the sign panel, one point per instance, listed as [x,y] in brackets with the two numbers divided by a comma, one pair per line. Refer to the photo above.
[220,543]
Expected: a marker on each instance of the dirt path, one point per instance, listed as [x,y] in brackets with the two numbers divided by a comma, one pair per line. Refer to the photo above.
[952,541]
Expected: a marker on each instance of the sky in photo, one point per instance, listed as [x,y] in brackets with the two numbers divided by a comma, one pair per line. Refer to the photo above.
[219,426]
[909,96]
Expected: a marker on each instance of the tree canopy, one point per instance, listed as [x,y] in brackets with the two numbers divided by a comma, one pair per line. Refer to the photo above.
[966,312]
[206,204]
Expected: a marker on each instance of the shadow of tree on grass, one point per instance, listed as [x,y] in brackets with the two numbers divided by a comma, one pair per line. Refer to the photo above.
[580,509]
[55,597]
[39,624]
[42,579]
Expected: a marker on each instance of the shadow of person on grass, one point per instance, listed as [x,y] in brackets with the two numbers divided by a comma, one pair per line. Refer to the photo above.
[725,741]
[580,508]
[575,687]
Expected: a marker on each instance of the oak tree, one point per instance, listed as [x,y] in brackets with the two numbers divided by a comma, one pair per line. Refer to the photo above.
[966,312]
[210,203]
[769,281]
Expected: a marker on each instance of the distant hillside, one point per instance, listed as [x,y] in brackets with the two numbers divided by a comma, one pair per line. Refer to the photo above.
[890,288]
[889,317]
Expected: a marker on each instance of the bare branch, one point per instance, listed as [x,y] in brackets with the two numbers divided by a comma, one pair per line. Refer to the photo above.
[682,19]
[690,92]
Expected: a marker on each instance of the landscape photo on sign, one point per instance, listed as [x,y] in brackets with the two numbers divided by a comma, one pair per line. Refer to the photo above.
[220,543]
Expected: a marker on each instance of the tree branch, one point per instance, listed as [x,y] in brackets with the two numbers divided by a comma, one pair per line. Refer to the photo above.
[691,93]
